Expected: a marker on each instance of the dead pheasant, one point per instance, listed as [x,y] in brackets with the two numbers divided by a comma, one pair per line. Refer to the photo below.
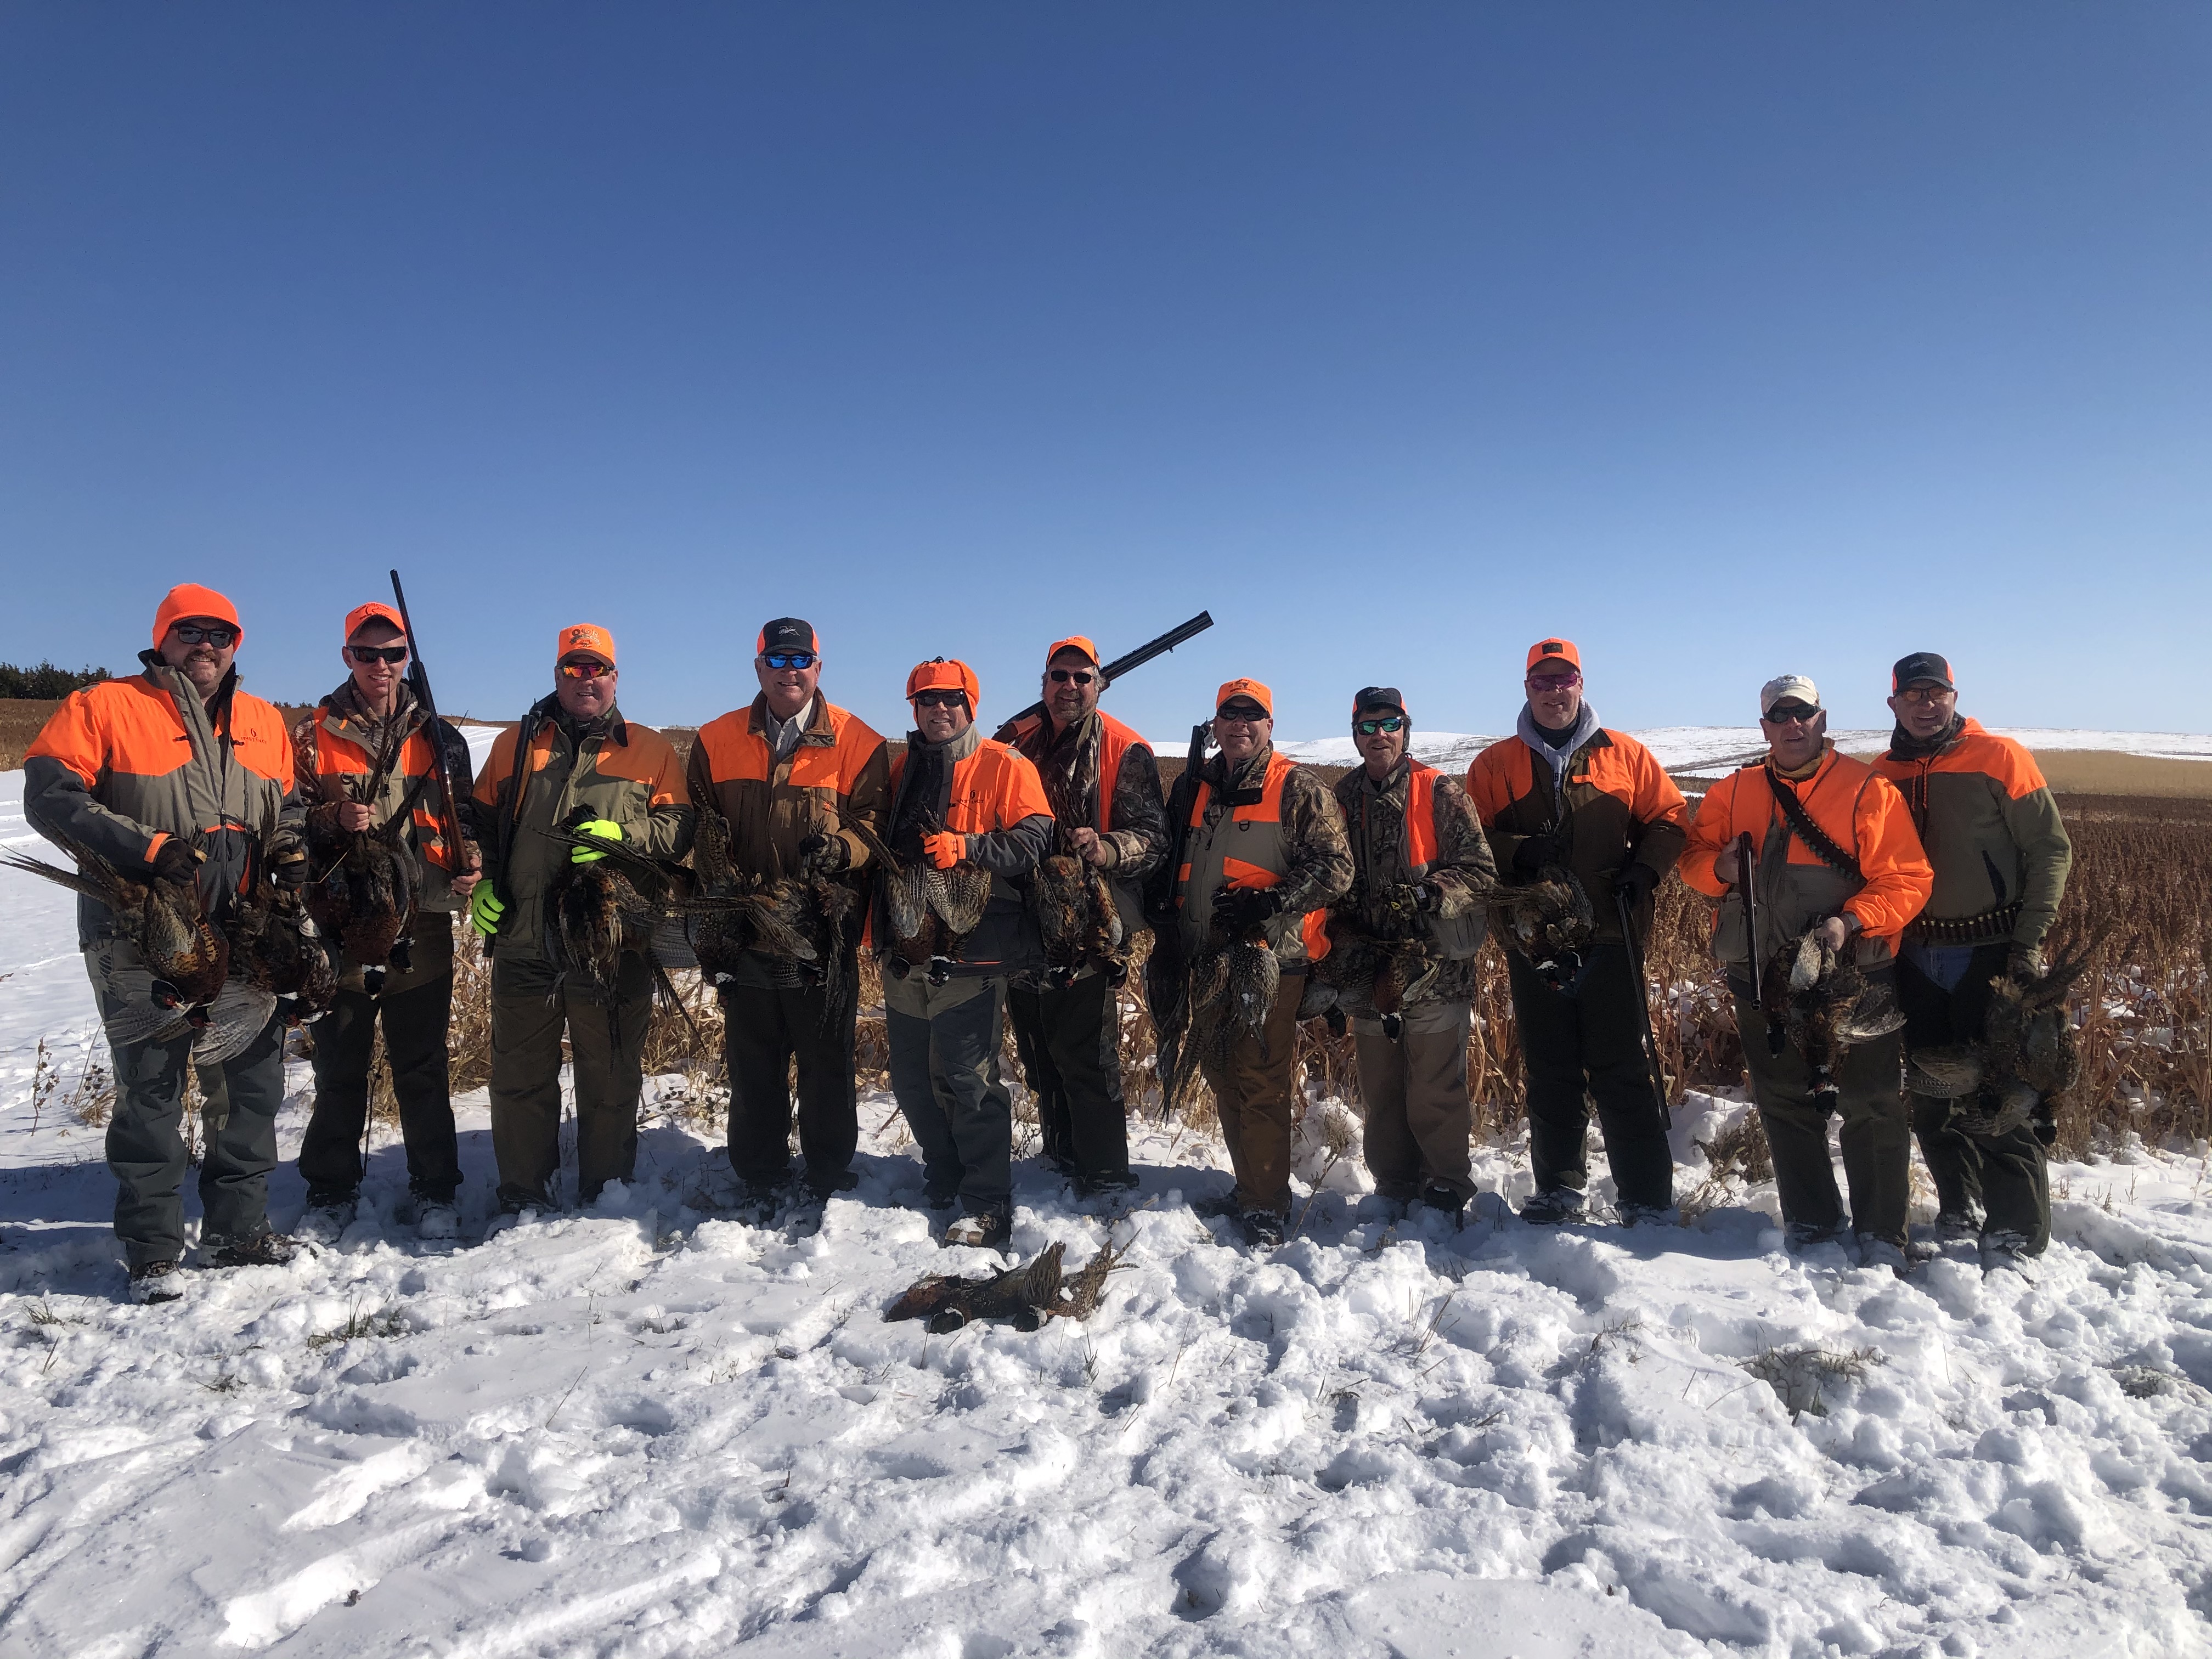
[365,885]
[1024,1295]
[931,911]
[2028,1055]
[163,919]
[1824,1003]
[1548,922]
[274,945]
[1080,923]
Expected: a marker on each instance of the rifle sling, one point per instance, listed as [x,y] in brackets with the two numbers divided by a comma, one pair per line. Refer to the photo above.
[1822,846]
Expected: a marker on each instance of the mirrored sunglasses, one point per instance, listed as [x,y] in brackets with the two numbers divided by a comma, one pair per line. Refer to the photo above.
[1369,728]
[584,670]
[798,659]
[1554,682]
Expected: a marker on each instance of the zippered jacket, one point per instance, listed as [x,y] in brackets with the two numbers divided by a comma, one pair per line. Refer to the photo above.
[124,765]
[994,796]
[1992,831]
[609,767]
[840,769]
[340,742]
[1417,826]
[1267,822]
[1858,809]
[1617,805]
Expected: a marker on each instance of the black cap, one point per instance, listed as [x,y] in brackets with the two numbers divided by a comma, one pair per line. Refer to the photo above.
[1376,696]
[787,634]
[1921,665]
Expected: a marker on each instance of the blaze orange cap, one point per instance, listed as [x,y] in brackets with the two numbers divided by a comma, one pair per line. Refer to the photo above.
[587,637]
[1563,649]
[944,674]
[1251,689]
[1072,642]
[373,612]
[191,599]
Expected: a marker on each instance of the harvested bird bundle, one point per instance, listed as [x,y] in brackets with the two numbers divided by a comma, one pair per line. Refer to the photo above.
[1027,1295]
[931,911]
[1166,998]
[365,885]
[1384,974]
[163,919]
[597,911]
[2027,1057]
[1818,999]
[1548,922]
[1232,990]
[1080,923]
[274,945]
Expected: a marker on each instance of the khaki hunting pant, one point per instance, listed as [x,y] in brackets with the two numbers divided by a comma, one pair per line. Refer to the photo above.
[1253,1093]
[1419,1117]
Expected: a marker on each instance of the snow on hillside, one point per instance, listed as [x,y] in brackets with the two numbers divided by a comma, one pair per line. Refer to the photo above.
[649,1430]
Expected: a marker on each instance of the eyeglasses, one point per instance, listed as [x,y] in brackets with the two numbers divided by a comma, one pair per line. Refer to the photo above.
[799,659]
[938,699]
[1918,693]
[1243,714]
[1369,728]
[191,634]
[1793,715]
[585,671]
[1071,676]
[1554,682]
[365,655]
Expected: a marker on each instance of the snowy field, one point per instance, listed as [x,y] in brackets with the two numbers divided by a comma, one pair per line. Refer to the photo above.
[649,1430]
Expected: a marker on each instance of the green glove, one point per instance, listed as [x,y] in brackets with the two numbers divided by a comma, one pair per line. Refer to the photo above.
[485,908]
[604,829]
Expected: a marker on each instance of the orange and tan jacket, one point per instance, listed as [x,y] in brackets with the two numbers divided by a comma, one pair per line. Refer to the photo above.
[1992,831]
[1856,808]
[339,744]
[125,764]
[840,769]
[1268,823]
[609,768]
[1618,805]
[996,800]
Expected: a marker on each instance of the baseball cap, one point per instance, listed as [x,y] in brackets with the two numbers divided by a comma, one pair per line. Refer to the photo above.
[1378,696]
[189,599]
[1252,690]
[1787,685]
[1921,665]
[787,635]
[945,674]
[1072,642]
[1564,649]
[375,610]
[586,639]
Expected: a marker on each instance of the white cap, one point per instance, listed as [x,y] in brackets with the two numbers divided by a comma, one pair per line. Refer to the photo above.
[1787,685]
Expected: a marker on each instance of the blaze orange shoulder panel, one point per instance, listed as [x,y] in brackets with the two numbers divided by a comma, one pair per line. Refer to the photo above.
[1421,815]
[499,767]
[648,758]
[733,751]
[1116,740]
[1500,775]
[261,740]
[2006,761]
[122,726]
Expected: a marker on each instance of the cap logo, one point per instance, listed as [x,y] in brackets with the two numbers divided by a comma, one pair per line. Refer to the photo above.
[1552,647]
[578,636]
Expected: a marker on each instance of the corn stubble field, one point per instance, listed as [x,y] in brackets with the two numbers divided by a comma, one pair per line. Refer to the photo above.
[2142,878]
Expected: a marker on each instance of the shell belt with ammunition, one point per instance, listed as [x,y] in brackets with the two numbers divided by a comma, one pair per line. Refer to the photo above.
[1989,925]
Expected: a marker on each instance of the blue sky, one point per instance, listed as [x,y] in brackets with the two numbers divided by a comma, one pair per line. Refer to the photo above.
[1725,339]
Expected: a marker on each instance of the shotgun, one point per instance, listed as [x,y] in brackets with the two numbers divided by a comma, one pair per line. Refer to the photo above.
[1109,672]
[1643,1009]
[1746,872]
[418,680]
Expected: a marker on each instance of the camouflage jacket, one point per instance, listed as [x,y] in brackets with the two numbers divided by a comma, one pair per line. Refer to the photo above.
[1458,864]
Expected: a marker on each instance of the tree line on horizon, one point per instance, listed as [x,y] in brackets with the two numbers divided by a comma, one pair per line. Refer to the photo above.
[46,680]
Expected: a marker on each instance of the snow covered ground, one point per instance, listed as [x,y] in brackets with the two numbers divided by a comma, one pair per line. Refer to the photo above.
[650,1430]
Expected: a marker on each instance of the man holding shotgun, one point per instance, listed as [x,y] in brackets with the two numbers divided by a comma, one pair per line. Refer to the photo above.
[376,723]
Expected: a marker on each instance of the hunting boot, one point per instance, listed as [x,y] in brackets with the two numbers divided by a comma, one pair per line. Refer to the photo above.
[155,1282]
[985,1230]
[1562,1204]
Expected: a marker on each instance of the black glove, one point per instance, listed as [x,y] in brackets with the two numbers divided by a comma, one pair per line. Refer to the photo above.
[824,854]
[2024,964]
[1635,882]
[287,854]
[1535,852]
[174,860]
[1242,910]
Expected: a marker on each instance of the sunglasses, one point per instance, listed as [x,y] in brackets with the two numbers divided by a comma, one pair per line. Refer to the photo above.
[192,634]
[799,659]
[1369,728]
[1071,676]
[1243,714]
[369,654]
[1793,715]
[1554,682]
[1916,693]
[583,670]
[938,699]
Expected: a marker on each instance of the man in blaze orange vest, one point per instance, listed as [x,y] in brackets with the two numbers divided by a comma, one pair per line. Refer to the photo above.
[787,775]
[1105,788]
[1264,853]
[1834,852]
[336,751]
[175,770]
[960,799]
[1403,949]
[1569,796]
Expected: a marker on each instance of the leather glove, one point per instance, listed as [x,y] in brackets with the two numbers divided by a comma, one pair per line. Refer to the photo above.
[287,854]
[485,908]
[1535,852]
[2024,964]
[174,860]
[824,854]
[1242,910]
[1635,882]
[604,829]
[944,849]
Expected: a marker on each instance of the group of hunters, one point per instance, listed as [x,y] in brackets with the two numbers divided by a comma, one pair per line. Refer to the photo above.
[1938,866]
